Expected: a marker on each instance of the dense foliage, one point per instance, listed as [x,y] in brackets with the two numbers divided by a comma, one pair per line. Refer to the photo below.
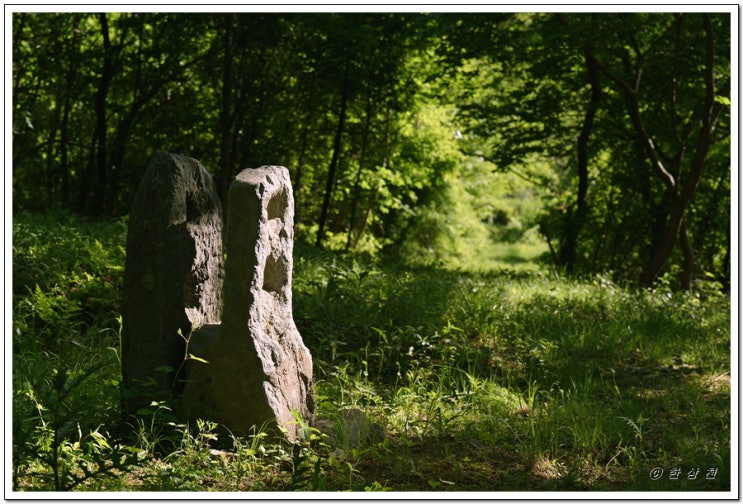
[391,122]
[512,255]
[514,380]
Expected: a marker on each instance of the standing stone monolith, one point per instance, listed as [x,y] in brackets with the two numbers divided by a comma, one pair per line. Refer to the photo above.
[258,370]
[172,277]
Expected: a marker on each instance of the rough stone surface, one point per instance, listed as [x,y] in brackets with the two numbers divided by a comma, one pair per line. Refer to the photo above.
[173,274]
[258,369]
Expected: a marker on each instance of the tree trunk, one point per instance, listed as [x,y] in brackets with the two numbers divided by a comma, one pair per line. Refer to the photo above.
[97,163]
[576,219]
[49,181]
[123,132]
[117,155]
[726,263]
[682,194]
[333,162]
[226,117]
[101,119]
[64,139]
[710,114]
[373,199]
[297,184]
[356,185]
[687,273]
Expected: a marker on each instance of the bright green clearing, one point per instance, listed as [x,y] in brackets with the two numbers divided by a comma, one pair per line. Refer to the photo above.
[515,379]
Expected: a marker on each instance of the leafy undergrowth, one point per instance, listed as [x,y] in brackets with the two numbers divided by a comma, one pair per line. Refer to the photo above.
[500,381]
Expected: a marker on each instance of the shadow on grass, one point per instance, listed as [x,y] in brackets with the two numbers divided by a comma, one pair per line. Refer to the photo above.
[626,381]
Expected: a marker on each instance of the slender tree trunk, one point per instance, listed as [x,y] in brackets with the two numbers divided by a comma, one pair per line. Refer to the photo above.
[49,182]
[117,155]
[101,119]
[123,132]
[373,199]
[226,117]
[97,170]
[298,193]
[64,139]
[726,262]
[99,132]
[333,162]
[356,185]
[305,121]
[576,219]
[687,273]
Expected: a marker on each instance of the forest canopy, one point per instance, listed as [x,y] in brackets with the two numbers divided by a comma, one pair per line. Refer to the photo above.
[605,136]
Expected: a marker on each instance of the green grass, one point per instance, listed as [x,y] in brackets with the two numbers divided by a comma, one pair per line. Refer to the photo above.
[514,379]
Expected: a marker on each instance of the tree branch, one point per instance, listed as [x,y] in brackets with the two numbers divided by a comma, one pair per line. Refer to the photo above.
[710,115]
[637,122]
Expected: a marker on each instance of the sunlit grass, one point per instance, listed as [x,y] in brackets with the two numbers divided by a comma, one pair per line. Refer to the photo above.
[522,256]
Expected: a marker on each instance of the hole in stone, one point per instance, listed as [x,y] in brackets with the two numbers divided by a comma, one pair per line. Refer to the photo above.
[274,274]
[277,205]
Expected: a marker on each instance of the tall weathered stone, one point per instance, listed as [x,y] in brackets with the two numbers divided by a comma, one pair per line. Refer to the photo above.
[258,369]
[173,274]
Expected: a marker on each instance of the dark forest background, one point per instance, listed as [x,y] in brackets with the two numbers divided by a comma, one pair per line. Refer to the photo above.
[604,137]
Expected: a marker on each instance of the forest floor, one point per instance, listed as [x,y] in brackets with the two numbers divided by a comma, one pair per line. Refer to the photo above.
[509,380]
